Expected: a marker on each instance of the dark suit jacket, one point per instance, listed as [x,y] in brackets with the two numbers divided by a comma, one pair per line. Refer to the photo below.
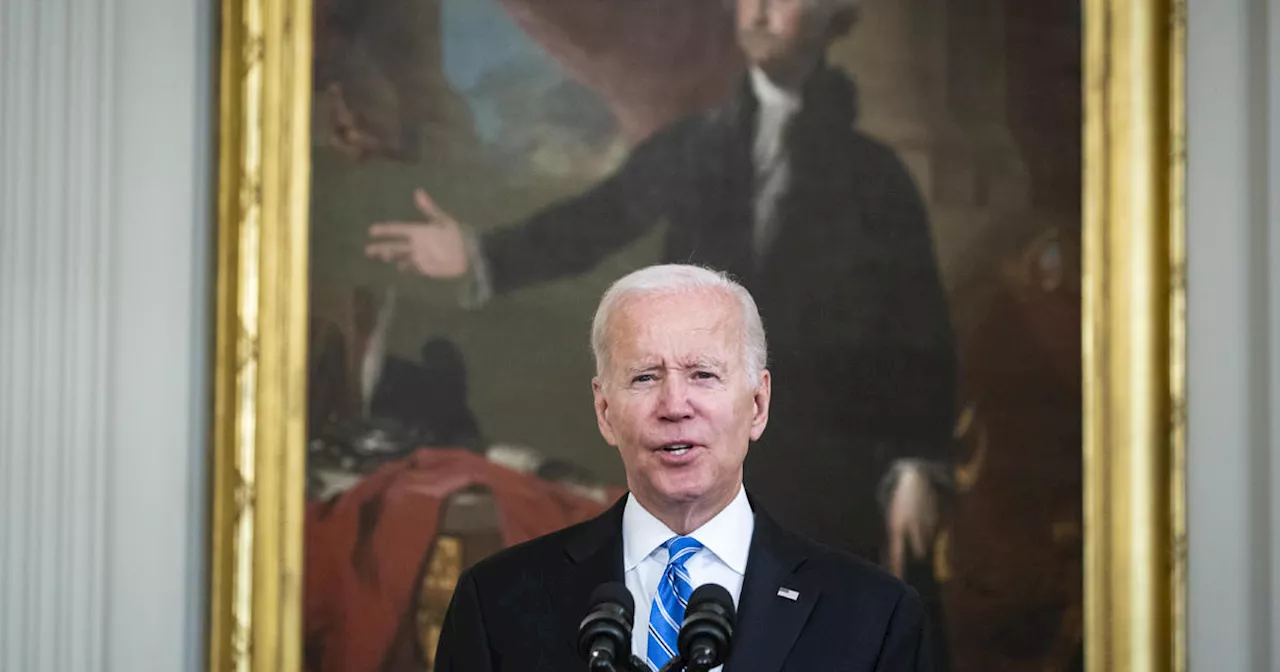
[520,609]
[860,341]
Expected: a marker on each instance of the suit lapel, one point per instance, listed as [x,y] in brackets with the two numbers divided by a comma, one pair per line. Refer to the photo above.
[769,622]
[593,556]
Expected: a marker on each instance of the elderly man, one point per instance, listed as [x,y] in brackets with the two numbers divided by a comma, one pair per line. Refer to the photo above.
[681,391]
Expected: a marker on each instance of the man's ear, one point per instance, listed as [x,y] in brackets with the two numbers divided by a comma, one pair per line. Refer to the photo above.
[602,411]
[760,405]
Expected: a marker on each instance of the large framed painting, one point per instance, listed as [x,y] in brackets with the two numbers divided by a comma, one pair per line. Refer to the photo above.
[961,222]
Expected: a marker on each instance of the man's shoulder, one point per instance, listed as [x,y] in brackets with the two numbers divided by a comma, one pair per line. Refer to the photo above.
[844,575]
[877,173]
[870,156]
[869,145]
[851,567]
[535,555]
[692,135]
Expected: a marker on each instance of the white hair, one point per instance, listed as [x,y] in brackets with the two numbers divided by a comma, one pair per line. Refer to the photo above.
[672,278]
[829,9]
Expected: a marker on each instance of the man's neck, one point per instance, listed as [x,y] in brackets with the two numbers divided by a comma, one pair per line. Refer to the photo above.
[685,517]
[769,92]
[791,75]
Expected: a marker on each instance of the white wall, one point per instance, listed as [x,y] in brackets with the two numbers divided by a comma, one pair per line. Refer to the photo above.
[105,142]
[162,210]
[1233,326]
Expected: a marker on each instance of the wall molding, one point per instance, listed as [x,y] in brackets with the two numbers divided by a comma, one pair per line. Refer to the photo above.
[55,277]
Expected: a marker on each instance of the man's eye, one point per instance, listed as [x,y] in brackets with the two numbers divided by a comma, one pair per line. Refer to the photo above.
[704,375]
[643,378]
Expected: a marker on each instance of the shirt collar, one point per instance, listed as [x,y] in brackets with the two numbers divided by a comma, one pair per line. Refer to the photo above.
[727,534]
[771,95]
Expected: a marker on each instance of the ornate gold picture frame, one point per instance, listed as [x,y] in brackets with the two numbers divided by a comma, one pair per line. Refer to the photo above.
[1134,536]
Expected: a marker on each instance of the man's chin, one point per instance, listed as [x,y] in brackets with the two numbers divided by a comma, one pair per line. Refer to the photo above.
[757,52]
[762,61]
[684,490]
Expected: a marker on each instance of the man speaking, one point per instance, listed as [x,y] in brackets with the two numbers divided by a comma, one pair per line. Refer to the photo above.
[681,391]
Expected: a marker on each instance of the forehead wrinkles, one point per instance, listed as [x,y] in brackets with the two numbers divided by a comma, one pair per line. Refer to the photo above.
[647,317]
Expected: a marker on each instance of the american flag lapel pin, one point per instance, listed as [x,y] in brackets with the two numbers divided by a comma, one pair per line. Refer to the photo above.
[792,595]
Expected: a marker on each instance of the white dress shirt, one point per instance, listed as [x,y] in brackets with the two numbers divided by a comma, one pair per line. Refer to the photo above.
[726,542]
[769,156]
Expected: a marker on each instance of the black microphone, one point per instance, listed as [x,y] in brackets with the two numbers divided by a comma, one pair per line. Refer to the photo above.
[604,638]
[707,630]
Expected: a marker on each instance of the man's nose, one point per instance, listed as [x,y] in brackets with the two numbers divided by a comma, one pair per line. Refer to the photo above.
[673,400]
[757,13]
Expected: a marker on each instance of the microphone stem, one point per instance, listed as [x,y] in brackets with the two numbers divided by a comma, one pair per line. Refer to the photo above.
[601,664]
[673,665]
[635,664]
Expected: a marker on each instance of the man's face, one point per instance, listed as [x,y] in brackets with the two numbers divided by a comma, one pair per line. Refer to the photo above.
[778,35]
[674,396]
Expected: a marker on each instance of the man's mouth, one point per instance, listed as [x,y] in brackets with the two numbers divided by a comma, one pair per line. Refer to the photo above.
[757,36]
[677,448]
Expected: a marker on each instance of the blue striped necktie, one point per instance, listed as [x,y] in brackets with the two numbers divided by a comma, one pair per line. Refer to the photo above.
[667,612]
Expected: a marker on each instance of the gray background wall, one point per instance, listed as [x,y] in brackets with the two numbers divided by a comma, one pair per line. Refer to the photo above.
[1233,232]
[105,144]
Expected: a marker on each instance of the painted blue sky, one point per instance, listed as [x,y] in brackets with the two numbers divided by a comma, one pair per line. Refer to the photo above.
[480,37]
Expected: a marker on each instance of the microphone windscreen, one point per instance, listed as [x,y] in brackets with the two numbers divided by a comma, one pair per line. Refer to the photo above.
[613,593]
[711,593]
[605,634]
